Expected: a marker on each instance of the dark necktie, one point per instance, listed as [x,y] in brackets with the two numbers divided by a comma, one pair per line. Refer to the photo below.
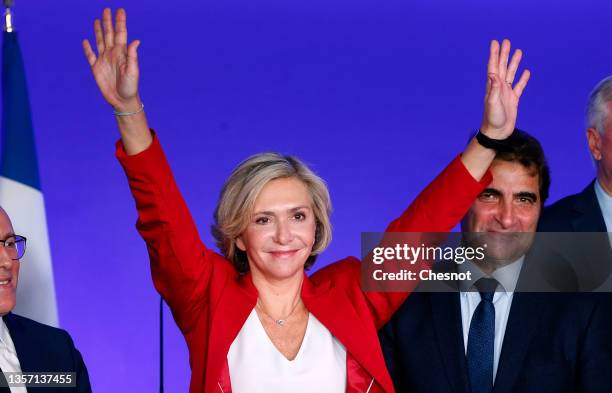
[481,339]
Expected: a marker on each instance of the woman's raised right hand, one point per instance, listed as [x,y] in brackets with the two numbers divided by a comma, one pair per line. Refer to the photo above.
[115,68]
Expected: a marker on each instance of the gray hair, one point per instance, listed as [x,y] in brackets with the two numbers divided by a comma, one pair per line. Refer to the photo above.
[597,109]
[238,195]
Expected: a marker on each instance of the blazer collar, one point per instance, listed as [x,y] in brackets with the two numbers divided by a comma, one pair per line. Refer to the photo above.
[235,307]
[330,305]
[590,218]
[446,312]
[525,315]
[25,345]
[333,307]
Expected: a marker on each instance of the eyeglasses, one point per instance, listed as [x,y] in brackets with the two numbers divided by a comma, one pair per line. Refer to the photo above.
[15,246]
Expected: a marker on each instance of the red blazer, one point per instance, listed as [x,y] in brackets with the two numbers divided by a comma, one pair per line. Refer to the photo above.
[210,302]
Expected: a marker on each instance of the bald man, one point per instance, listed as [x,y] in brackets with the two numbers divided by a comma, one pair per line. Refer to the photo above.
[27,346]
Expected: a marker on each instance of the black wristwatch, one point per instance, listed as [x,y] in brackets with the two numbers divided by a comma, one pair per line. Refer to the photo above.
[499,145]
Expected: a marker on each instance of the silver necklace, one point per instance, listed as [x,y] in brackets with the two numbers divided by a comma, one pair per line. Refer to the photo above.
[279,322]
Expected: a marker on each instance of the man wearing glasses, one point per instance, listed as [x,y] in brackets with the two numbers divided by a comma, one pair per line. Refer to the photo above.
[32,355]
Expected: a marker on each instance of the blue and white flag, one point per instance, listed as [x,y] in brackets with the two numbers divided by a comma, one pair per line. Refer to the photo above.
[20,192]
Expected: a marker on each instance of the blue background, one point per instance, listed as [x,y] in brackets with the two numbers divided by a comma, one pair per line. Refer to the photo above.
[378,95]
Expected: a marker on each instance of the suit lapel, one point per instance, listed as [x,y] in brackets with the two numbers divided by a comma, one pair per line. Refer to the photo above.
[26,349]
[334,309]
[525,313]
[446,311]
[230,315]
[589,217]
[234,309]
[330,305]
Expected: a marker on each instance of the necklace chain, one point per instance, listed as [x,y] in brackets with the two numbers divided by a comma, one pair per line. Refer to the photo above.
[279,322]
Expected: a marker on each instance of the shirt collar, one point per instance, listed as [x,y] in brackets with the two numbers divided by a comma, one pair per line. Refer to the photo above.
[507,275]
[605,204]
[3,329]
[5,337]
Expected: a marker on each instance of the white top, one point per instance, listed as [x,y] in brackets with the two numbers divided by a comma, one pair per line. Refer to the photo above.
[256,366]
[8,356]
[507,276]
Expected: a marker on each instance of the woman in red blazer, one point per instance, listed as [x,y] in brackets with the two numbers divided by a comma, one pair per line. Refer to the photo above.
[272,220]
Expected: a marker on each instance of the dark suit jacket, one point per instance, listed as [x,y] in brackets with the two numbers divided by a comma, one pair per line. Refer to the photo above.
[42,348]
[575,213]
[588,255]
[554,342]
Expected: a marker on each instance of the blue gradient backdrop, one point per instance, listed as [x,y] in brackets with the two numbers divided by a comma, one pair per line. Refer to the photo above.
[377,95]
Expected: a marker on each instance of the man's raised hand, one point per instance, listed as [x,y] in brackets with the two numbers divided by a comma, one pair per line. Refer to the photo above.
[502,98]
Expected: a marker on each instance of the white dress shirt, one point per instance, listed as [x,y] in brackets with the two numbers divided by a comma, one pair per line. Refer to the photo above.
[507,277]
[605,204]
[8,356]
[257,366]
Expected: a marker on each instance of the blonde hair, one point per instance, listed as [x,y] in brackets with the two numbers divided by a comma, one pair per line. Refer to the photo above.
[238,195]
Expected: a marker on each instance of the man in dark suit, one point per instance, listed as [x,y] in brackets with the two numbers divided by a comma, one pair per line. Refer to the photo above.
[487,335]
[591,209]
[579,212]
[533,342]
[27,346]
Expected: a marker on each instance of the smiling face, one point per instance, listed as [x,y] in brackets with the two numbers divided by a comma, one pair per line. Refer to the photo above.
[281,231]
[9,268]
[505,215]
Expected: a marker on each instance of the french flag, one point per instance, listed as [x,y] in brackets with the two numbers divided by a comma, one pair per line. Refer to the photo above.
[20,191]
